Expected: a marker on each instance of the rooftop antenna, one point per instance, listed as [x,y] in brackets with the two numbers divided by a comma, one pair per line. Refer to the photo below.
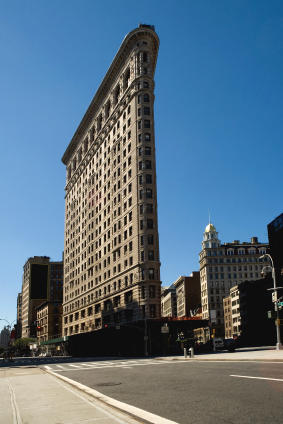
[209,217]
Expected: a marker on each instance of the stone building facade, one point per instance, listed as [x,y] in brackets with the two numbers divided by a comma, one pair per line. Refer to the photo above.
[49,321]
[111,251]
[223,266]
[168,301]
[188,295]
[227,308]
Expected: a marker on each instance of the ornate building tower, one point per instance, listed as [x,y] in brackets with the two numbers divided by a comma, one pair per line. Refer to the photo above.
[210,237]
[223,266]
[111,252]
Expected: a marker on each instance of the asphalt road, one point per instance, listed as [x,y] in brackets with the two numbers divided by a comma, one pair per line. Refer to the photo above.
[188,392]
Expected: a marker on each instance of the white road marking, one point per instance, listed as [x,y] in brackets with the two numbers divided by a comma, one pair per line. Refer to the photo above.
[102,365]
[47,367]
[257,378]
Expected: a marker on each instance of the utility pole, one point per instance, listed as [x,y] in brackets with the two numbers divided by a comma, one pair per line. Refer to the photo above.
[274,299]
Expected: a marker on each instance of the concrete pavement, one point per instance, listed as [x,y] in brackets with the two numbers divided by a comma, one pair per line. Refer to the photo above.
[30,396]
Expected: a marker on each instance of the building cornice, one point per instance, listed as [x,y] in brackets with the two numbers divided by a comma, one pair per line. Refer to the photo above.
[110,77]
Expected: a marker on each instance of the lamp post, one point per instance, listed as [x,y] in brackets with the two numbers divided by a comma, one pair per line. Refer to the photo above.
[9,323]
[274,290]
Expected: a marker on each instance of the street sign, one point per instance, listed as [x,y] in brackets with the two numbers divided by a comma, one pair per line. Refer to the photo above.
[164,329]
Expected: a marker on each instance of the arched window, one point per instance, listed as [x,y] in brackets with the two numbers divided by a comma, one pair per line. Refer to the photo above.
[85,145]
[107,109]
[80,154]
[116,94]
[146,98]
[127,78]
[99,122]
[144,57]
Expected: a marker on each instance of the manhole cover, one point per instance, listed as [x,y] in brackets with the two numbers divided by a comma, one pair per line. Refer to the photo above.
[107,384]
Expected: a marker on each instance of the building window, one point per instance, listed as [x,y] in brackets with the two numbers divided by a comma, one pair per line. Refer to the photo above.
[152,311]
[148,179]
[151,274]
[146,137]
[150,223]
[152,292]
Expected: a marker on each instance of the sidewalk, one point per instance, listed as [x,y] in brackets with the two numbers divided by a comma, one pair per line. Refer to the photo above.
[30,396]
[263,354]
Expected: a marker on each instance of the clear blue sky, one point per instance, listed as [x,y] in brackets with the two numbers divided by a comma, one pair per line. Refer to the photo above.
[218,113]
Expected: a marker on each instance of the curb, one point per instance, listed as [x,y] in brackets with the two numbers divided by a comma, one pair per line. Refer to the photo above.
[140,415]
[195,359]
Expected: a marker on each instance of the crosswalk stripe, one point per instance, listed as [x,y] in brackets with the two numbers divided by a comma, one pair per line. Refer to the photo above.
[106,364]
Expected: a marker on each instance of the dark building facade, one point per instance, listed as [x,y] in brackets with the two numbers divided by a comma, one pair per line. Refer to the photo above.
[275,236]
[254,303]
[42,282]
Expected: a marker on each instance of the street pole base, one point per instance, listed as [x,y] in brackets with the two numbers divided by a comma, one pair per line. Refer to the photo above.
[279,346]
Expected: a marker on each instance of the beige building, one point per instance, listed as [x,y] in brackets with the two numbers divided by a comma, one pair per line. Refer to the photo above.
[49,321]
[223,266]
[168,301]
[188,295]
[227,308]
[39,286]
[111,252]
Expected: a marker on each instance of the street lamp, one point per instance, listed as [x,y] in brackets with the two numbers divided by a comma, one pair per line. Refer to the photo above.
[9,323]
[274,290]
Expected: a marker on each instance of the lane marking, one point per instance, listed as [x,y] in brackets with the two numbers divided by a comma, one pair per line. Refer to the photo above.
[136,412]
[75,366]
[257,378]
[47,367]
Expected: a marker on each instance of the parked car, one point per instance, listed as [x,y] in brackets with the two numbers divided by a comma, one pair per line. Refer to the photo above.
[230,344]
[219,343]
